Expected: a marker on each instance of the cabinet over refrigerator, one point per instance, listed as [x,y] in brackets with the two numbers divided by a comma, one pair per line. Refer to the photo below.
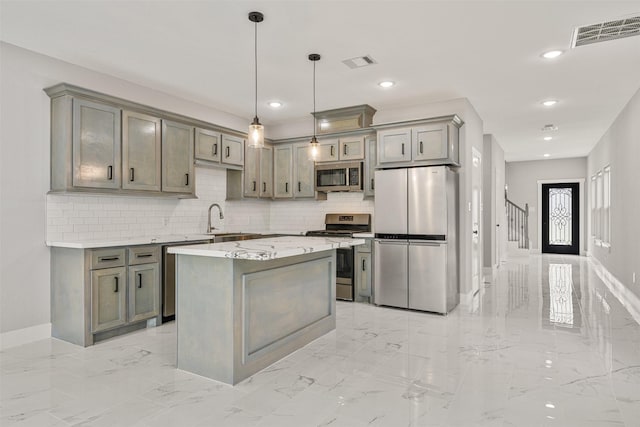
[416,246]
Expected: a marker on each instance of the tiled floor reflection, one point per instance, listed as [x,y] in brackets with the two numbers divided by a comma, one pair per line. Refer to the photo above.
[548,345]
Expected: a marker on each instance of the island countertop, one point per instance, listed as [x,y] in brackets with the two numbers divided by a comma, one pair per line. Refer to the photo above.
[267,249]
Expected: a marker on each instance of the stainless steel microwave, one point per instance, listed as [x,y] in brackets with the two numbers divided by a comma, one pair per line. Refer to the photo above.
[341,176]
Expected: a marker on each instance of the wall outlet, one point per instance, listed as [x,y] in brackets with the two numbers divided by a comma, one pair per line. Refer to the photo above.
[633,277]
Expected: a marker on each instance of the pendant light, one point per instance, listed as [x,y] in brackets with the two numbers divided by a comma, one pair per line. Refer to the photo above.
[256,130]
[314,57]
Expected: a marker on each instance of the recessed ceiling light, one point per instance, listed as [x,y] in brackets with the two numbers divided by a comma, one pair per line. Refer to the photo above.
[549,103]
[548,138]
[552,54]
[549,128]
[275,104]
[547,155]
[386,83]
[550,405]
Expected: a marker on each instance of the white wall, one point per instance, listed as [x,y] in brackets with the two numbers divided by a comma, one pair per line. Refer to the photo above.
[522,180]
[619,147]
[24,171]
[24,178]
[494,218]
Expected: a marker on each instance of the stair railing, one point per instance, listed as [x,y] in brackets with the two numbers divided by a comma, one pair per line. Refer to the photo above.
[518,224]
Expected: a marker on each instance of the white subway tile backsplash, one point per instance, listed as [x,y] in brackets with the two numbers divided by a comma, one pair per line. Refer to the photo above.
[71,217]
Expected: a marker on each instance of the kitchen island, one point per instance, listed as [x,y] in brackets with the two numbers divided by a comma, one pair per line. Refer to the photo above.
[241,306]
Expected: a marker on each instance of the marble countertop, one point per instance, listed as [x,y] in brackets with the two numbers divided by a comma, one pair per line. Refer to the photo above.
[148,240]
[267,249]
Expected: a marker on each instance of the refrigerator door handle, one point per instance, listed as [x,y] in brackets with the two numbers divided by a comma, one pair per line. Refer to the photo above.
[428,242]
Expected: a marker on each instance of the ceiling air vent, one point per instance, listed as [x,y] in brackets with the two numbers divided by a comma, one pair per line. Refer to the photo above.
[359,61]
[605,31]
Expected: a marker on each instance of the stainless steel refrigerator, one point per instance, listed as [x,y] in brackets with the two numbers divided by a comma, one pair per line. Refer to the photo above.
[416,245]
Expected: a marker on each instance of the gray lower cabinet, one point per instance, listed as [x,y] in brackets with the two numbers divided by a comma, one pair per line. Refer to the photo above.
[141,151]
[96,145]
[177,158]
[108,298]
[100,293]
[364,272]
[144,301]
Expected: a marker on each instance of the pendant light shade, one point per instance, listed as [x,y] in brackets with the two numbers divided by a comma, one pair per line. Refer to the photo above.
[314,57]
[256,130]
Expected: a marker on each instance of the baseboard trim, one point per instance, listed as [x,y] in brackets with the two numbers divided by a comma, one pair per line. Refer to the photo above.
[628,299]
[24,336]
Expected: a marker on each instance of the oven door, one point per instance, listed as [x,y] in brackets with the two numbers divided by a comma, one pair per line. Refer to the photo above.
[344,273]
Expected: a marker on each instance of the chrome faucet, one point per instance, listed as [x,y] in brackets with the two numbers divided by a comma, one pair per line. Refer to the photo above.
[209,227]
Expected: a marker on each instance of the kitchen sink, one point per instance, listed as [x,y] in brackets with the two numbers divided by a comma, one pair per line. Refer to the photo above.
[232,237]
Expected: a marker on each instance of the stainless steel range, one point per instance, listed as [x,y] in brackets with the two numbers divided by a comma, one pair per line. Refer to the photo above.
[344,225]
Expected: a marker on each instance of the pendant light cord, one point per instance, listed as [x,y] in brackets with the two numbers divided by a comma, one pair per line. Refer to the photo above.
[315,120]
[255,61]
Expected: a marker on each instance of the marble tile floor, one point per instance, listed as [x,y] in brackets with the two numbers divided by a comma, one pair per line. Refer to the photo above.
[545,344]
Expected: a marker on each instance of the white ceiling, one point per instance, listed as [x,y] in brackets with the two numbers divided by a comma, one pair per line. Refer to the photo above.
[486,51]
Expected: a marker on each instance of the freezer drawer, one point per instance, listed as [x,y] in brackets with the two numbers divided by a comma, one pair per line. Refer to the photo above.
[428,276]
[391,273]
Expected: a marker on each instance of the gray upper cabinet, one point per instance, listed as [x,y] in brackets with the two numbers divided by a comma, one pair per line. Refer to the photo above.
[141,151]
[258,172]
[232,150]
[394,145]
[328,151]
[430,142]
[426,142]
[208,145]
[96,145]
[177,158]
[351,148]
[266,172]
[283,172]
[303,171]
[370,167]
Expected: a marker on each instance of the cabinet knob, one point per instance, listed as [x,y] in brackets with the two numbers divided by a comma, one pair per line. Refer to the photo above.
[254,186]
[299,187]
[215,149]
[116,281]
[286,187]
[131,175]
[420,147]
[332,151]
[345,150]
[139,280]
[187,179]
[403,148]
[109,172]
[228,152]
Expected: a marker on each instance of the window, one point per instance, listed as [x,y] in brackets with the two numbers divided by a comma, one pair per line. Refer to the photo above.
[601,207]
[606,205]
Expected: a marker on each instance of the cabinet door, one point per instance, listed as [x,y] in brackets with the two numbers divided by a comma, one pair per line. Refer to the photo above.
[394,145]
[207,145]
[108,298]
[327,151]
[232,150]
[266,172]
[251,172]
[370,167]
[430,142]
[96,145]
[140,151]
[303,172]
[363,274]
[177,158]
[352,148]
[144,290]
[282,173]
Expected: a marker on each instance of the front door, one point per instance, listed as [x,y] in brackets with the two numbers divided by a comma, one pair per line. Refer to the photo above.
[560,218]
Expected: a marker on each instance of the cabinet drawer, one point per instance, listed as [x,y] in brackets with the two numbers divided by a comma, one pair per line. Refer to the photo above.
[366,247]
[144,254]
[107,258]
